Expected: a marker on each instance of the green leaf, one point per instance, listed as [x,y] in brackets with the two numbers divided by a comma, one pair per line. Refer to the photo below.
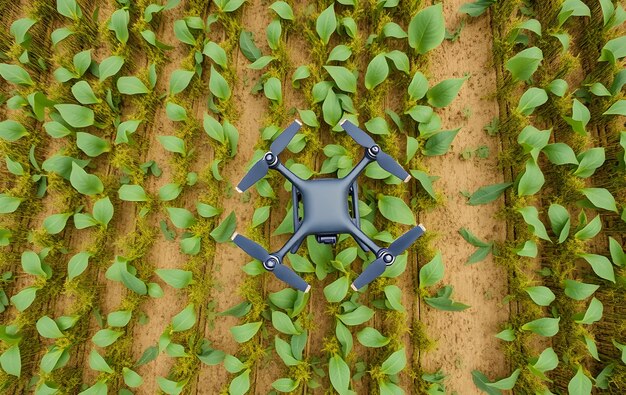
[339,373]
[600,197]
[92,145]
[173,144]
[179,80]
[618,108]
[119,319]
[400,60]
[590,230]
[273,90]
[541,295]
[240,384]
[171,387]
[175,277]
[11,130]
[131,86]
[532,180]
[337,290]
[11,361]
[285,12]
[248,47]
[285,385]
[133,283]
[590,160]
[77,264]
[580,384]
[617,253]
[103,211]
[614,49]
[524,64]
[439,143]
[331,108]
[600,265]
[531,99]
[578,290]
[425,182]
[371,337]
[488,194]
[184,320]
[506,383]
[125,129]
[75,115]
[427,29]
[119,24]
[395,209]
[546,326]
[377,71]
[344,78]
[444,92]
[15,74]
[358,316]
[593,313]
[87,184]
[432,272]
[55,223]
[580,118]
[560,221]
[531,217]
[572,8]
[560,154]
[558,87]
[443,302]
[418,87]
[283,324]
[96,362]
[340,53]
[216,53]
[326,23]
[218,85]
[175,113]
[131,378]
[48,328]
[105,337]
[132,193]
[24,298]
[394,297]
[180,217]
[206,210]
[394,363]
[83,93]
[225,229]
[9,204]
[109,67]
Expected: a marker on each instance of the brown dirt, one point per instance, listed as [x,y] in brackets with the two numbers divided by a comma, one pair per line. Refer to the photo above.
[465,340]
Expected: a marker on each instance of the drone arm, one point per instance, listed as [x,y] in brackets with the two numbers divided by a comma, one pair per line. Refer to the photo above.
[358,169]
[295,239]
[288,174]
[362,239]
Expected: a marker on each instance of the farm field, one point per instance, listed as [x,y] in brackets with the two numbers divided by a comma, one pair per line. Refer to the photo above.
[125,126]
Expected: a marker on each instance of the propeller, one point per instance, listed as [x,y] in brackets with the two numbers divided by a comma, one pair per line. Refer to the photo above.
[384,160]
[387,256]
[261,167]
[270,262]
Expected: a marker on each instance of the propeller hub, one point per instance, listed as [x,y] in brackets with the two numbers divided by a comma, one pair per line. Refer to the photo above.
[373,151]
[270,158]
[270,263]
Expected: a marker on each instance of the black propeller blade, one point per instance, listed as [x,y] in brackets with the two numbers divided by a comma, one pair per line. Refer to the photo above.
[261,167]
[384,160]
[377,267]
[270,262]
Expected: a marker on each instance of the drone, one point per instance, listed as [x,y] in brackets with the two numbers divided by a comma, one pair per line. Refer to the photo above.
[330,208]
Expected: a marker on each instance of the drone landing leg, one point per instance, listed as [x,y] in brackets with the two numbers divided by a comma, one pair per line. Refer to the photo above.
[362,239]
[294,241]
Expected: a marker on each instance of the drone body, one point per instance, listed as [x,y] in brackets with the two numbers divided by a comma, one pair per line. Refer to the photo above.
[330,208]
